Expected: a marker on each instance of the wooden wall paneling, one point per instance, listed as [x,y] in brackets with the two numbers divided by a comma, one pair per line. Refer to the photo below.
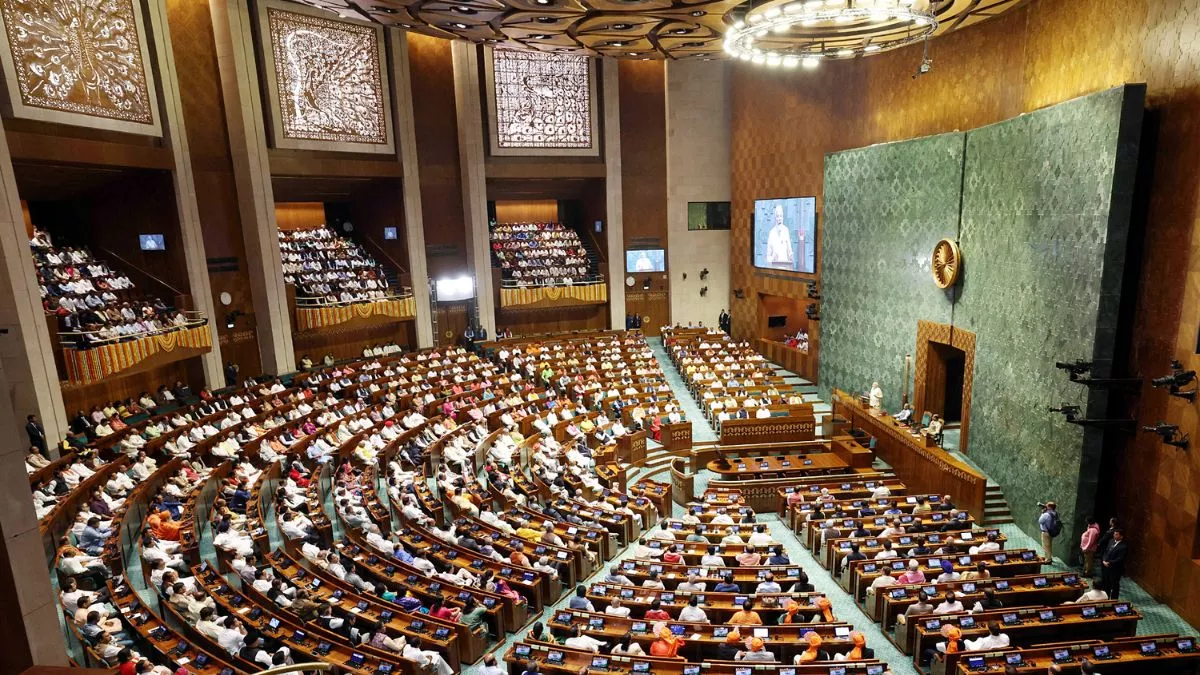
[777,305]
[378,206]
[527,211]
[121,387]
[552,320]
[212,173]
[346,341]
[644,182]
[452,319]
[299,215]
[434,118]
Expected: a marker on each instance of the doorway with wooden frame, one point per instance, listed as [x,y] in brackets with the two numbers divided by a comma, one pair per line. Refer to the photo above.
[944,373]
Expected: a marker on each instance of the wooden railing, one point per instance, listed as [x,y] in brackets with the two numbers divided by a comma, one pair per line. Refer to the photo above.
[922,465]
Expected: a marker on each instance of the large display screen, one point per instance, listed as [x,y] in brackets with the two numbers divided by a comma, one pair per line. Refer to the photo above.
[645,260]
[785,234]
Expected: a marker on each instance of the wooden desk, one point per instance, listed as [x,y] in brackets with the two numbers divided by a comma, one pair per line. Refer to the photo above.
[1127,653]
[922,465]
[781,465]
[573,661]
[1020,591]
[677,436]
[768,430]
[799,361]
[923,632]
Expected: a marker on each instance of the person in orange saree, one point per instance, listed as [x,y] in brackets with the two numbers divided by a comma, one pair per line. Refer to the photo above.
[163,527]
[656,429]
[667,644]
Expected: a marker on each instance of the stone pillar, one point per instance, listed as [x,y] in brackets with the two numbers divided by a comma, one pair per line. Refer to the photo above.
[471,158]
[30,611]
[614,229]
[190,226]
[414,223]
[232,33]
[26,353]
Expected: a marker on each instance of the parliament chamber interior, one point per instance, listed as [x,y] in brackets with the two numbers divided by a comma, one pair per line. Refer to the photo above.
[547,337]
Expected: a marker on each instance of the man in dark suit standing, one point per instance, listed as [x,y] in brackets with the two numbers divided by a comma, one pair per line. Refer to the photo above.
[37,435]
[1113,564]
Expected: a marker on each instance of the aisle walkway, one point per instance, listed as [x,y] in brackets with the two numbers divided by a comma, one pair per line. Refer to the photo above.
[701,430]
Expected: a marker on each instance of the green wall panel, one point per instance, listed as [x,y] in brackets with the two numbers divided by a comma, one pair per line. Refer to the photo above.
[1043,226]
[885,205]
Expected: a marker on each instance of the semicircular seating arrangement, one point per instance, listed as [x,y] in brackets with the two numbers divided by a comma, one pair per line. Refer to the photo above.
[424,512]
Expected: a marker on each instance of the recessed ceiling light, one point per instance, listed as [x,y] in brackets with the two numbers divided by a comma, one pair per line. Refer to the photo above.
[544,2]
[871,48]
[622,26]
[633,53]
[542,36]
[699,12]
[693,44]
[406,25]
[460,26]
[385,10]
[464,8]
[617,43]
[546,19]
[681,31]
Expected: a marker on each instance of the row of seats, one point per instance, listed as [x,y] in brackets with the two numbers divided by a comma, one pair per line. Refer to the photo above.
[94,303]
[327,268]
[540,254]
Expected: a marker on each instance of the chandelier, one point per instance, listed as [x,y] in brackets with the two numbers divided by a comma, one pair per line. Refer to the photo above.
[790,33]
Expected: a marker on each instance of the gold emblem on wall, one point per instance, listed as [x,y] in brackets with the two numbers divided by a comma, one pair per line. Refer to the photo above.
[946,263]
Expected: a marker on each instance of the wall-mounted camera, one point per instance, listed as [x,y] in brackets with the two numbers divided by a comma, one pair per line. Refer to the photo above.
[812,313]
[1074,368]
[1070,412]
[813,293]
[1176,381]
[1169,434]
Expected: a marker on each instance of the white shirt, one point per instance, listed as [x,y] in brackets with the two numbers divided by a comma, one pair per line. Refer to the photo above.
[584,642]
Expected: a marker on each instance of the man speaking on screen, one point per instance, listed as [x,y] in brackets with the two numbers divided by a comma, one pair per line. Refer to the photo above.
[779,243]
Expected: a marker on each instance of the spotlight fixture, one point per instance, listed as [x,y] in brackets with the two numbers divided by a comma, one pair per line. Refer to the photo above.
[812,312]
[813,293]
[1074,368]
[1175,382]
[1071,414]
[739,294]
[232,317]
[704,291]
[703,274]
[646,284]
[1169,434]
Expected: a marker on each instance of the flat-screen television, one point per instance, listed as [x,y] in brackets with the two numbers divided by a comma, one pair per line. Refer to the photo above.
[152,242]
[449,290]
[389,233]
[645,260]
[785,234]
[708,215]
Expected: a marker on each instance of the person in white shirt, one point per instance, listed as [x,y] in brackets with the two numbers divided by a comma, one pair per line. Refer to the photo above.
[760,538]
[993,640]
[664,533]
[413,652]
[615,608]
[1093,594]
[876,396]
[887,553]
[584,642]
[882,581]
[949,604]
[692,613]
[692,585]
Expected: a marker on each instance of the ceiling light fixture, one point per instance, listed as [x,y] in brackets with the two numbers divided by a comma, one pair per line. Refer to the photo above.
[813,30]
